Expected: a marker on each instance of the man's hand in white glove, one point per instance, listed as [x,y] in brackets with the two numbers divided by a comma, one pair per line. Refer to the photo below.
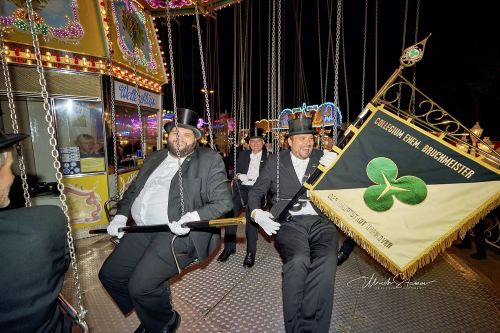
[243,177]
[119,221]
[328,158]
[266,222]
[176,226]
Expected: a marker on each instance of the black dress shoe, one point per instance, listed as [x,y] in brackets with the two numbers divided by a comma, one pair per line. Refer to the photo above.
[172,328]
[225,254]
[249,259]
[341,258]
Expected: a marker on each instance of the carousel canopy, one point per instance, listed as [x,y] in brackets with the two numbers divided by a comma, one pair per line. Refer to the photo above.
[186,7]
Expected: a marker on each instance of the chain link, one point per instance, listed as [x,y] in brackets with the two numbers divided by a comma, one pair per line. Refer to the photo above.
[109,69]
[138,105]
[417,18]
[236,125]
[174,102]
[207,104]
[345,73]
[55,154]
[15,126]
[336,99]
[364,57]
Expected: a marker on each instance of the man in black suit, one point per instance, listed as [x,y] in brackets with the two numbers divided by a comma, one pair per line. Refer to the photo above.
[307,240]
[34,257]
[136,273]
[248,166]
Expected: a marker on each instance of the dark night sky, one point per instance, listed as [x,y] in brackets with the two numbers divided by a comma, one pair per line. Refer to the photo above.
[460,69]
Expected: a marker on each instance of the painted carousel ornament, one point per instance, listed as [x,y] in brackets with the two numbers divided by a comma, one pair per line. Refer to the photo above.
[51,20]
[133,34]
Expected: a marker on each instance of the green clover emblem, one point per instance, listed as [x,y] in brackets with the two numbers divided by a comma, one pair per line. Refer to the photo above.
[408,189]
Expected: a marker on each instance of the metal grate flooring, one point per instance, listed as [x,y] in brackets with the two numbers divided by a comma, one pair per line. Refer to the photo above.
[227,297]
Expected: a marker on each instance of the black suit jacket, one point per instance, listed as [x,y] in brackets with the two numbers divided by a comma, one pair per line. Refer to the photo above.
[205,187]
[289,183]
[243,161]
[33,259]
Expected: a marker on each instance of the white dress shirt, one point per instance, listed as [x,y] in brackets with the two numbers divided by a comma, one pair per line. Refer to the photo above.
[300,167]
[151,205]
[253,169]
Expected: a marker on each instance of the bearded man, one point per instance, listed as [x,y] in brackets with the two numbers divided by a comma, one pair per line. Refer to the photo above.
[136,273]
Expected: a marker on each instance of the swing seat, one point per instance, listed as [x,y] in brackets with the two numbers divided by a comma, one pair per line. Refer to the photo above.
[70,311]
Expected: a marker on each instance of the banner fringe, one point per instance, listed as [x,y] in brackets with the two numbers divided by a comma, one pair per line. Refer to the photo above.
[428,255]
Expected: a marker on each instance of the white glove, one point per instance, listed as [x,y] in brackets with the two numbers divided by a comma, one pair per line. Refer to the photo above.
[176,226]
[243,177]
[328,158]
[119,221]
[264,219]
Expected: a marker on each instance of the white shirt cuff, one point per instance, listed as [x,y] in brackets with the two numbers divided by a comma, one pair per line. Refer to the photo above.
[122,219]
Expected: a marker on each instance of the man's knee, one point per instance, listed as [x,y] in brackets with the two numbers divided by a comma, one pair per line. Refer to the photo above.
[105,275]
[299,262]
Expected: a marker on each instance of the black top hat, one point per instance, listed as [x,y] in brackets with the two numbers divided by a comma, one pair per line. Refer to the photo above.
[255,133]
[8,140]
[186,118]
[301,125]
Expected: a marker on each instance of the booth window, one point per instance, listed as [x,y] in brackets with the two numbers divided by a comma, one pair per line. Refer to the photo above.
[128,135]
[81,136]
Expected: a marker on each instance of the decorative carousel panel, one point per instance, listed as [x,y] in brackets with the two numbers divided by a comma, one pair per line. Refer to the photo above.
[135,39]
[68,25]
[186,7]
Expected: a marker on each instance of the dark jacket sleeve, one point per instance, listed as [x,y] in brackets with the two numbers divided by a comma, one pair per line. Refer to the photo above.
[217,199]
[264,184]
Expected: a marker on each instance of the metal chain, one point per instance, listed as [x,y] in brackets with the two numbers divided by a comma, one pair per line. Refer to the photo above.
[336,99]
[320,51]
[109,69]
[174,102]
[207,104]
[364,57]
[402,49]
[413,97]
[55,154]
[269,116]
[278,102]
[329,44]
[376,46]
[138,105]
[13,117]
[345,74]
[236,125]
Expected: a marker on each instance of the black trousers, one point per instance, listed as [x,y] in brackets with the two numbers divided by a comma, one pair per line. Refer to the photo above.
[308,247]
[251,228]
[136,274]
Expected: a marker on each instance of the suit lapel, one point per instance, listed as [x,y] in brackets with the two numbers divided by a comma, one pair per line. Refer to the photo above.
[313,163]
[287,165]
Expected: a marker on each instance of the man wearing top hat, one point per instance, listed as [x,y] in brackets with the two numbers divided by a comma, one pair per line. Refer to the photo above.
[248,166]
[34,257]
[307,240]
[136,273]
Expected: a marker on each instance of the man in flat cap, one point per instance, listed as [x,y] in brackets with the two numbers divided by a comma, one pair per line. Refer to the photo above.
[136,273]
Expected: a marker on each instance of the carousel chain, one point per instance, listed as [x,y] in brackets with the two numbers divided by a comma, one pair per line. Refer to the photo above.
[376,46]
[403,48]
[364,57]
[269,117]
[413,97]
[207,104]
[336,99]
[138,104]
[174,102]
[113,129]
[235,137]
[278,100]
[345,74]
[319,49]
[55,154]
[328,44]
[15,126]
[109,67]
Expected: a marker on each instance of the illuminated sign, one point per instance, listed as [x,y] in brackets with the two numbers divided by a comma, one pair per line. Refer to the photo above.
[324,115]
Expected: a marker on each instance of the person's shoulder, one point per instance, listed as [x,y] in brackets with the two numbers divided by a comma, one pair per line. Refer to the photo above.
[39,217]
[316,153]
[207,153]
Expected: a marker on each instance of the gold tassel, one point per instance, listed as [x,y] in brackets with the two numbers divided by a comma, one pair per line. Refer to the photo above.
[428,255]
